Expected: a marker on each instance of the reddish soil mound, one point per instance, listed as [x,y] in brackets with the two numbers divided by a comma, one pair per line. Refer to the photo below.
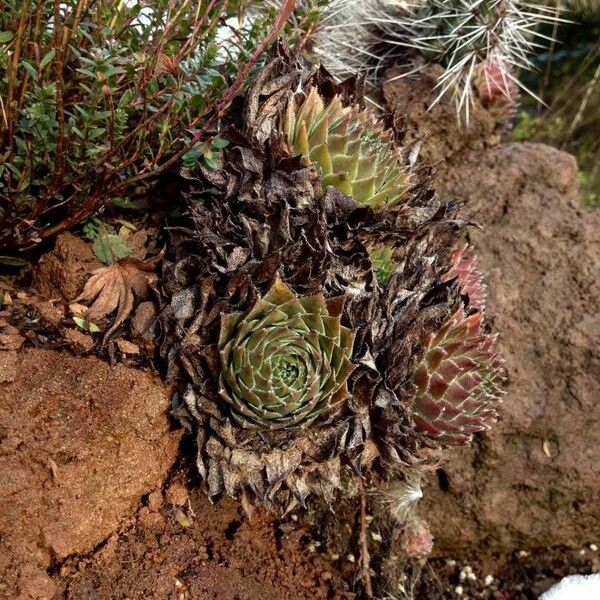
[80,443]
[184,548]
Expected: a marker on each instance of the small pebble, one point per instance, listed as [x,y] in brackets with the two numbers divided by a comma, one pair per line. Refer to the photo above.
[459,590]
[593,548]
[351,558]
[451,562]
[376,536]
[582,552]
[294,517]
[523,553]
[488,580]
[177,495]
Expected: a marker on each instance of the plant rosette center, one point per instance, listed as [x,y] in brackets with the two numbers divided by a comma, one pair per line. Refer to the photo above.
[285,362]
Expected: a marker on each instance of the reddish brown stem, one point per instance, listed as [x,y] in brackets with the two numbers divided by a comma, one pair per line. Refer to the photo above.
[59,162]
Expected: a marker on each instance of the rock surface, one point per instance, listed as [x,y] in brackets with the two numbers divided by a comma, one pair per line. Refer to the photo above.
[434,125]
[80,443]
[534,480]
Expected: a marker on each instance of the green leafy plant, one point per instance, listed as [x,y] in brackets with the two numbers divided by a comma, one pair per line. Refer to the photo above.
[99,98]
[284,363]
[351,150]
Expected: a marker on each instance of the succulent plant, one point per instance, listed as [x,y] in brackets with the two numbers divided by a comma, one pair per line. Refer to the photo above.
[284,363]
[465,270]
[383,263]
[458,383]
[349,147]
[297,316]
[462,35]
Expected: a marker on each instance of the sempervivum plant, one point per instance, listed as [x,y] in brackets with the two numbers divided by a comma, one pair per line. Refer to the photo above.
[458,382]
[306,292]
[351,152]
[285,362]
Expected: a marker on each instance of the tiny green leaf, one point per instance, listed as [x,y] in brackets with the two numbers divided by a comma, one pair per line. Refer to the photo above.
[30,69]
[219,143]
[86,325]
[47,58]
[110,248]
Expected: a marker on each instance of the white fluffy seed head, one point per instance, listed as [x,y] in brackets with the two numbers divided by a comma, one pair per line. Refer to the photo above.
[402,497]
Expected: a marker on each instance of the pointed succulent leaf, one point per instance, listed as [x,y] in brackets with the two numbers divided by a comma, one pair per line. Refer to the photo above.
[465,269]
[349,148]
[383,262]
[458,383]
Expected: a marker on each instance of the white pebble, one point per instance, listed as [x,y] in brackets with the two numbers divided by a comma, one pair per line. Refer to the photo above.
[575,587]
[488,580]
[376,536]
[459,590]
[351,558]
[593,548]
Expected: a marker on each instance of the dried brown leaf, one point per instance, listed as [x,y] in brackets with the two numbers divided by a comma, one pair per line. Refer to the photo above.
[113,289]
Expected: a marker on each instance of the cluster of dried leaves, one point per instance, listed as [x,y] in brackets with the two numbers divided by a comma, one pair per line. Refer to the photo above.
[265,215]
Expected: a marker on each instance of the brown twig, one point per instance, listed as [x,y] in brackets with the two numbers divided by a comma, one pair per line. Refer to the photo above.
[222,106]
[365,557]
[59,163]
